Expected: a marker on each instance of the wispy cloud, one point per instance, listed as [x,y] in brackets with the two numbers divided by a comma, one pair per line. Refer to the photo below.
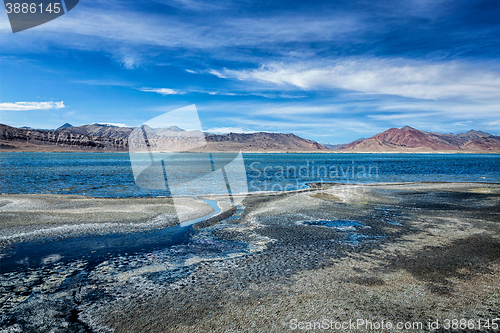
[342,127]
[113,124]
[27,106]
[402,116]
[98,82]
[399,77]
[198,5]
[278,110]
[163,91]
[225,130]
[463,123]
[133,37]
[129,60]
[493,126]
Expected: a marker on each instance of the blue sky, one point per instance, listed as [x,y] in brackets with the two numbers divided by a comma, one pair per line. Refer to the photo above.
[330,71]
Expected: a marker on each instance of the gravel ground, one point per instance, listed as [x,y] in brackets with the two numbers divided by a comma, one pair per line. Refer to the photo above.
[393,253]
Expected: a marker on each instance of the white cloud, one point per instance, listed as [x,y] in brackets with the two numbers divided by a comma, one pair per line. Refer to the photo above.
[221,76]
[406,78]
[487,108]
[27,106]
[163,91]
[403,116]
[284,110]
[494,123]
[204,6]
[129,61]
[127,34]
[226,130]
[463,123]
[113,124]
[346,127]
[103,83]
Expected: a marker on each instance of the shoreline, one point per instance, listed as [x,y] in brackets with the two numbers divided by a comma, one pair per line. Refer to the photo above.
[256,193]
[453,152]
[27,217]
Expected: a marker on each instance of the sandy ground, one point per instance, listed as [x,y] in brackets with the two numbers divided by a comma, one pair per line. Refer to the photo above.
[405,254]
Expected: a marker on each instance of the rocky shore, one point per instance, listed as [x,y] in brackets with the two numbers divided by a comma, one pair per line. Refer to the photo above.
[392,253]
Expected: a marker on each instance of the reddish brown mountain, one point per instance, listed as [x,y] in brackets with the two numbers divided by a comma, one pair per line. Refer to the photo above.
[491,143]
[408,139]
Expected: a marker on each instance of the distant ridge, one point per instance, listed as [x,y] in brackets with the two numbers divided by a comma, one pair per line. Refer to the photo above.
[409,139]
[103,130]
[67,125]
[261,141]
[103,137]
[18,139]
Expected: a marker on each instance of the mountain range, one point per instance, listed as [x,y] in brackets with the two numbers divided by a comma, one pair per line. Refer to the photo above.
[102,137]
[409,139]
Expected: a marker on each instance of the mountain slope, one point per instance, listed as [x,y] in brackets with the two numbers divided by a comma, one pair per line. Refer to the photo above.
[66,125]
[107,131]
[97,137]
[262,141]
[490,143]
[460,138]
[408,139]
[12,138]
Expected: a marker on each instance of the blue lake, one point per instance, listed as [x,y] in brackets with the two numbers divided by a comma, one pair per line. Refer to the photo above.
[110,174]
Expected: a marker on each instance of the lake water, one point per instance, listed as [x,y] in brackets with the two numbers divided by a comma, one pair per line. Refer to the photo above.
[110,174]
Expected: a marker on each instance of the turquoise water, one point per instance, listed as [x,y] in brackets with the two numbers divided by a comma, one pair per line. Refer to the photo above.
[110,174]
